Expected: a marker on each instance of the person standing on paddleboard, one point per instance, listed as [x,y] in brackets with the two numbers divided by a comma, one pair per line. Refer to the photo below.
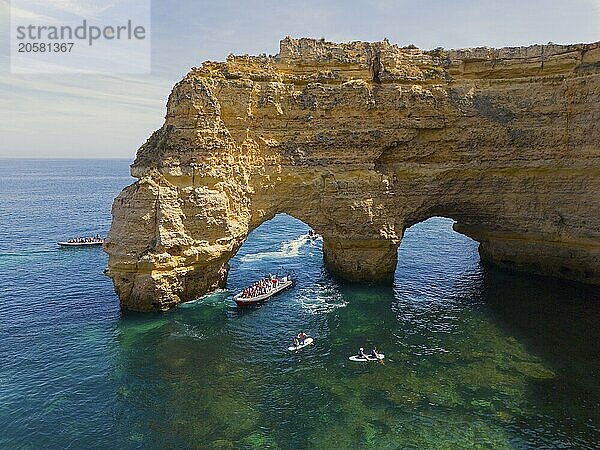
[303,336]
[300,338]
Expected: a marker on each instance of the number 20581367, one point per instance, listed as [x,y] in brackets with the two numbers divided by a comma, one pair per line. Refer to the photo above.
[45,47]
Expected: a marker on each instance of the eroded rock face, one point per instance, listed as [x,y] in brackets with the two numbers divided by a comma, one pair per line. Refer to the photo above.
[360,141]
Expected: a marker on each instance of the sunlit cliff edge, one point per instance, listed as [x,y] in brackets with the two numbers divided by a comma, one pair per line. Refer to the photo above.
[362,140]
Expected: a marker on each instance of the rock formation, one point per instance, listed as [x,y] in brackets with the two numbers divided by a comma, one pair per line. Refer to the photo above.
[360,141]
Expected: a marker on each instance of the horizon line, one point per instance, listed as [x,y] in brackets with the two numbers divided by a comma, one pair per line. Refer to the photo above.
[58,158]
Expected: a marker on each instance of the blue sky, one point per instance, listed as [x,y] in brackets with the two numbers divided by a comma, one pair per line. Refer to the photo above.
[76,115]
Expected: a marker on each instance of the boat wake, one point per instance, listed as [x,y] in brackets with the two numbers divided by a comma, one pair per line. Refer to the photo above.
[288,249]
[321,301]
[6,259]
[212,299]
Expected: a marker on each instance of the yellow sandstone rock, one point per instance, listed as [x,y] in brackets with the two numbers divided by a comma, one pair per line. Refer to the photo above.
[360,141]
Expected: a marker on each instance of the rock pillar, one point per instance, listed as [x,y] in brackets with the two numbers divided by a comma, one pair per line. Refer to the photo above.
[361,259]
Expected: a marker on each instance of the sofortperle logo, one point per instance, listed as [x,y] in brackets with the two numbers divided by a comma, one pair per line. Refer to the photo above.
[82,36]
[84,32]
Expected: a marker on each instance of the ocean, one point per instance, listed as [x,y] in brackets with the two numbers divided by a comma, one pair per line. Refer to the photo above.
[475,357]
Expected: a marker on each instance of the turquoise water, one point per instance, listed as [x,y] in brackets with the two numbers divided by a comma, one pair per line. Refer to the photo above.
[475,357]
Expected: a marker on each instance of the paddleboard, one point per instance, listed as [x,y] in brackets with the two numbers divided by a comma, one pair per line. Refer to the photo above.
[355,358]
[307,341]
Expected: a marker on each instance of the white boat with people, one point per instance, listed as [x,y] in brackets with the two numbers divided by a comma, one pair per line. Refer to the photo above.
[82,241]
[313,236]
[262,289]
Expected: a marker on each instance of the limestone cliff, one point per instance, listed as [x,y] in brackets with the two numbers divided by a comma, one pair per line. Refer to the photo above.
[360,141]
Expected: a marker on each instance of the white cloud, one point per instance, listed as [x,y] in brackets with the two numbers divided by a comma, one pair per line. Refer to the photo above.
[57,8]
[83,8]
[29,16]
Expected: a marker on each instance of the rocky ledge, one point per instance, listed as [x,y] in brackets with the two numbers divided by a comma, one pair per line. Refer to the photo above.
[360,141]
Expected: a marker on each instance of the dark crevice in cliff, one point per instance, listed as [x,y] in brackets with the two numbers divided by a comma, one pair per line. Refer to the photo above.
[542,57]
[376,64]
[153,245]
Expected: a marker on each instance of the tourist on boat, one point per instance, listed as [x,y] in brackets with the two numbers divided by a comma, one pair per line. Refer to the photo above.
[263,286]
[374,352]
[361,353]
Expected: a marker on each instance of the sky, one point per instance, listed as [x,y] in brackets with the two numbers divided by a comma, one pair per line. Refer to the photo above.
[110,116]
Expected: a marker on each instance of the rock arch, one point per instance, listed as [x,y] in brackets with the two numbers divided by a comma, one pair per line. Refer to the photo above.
[360,141]
[276,246]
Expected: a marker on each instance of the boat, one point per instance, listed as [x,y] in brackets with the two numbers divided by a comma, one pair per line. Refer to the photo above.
[278,285]
[313,236]
[81,244]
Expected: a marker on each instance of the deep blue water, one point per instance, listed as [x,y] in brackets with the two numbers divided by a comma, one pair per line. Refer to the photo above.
[475,357]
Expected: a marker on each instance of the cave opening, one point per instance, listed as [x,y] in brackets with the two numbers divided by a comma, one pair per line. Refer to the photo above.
[432,250]
[281,245]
